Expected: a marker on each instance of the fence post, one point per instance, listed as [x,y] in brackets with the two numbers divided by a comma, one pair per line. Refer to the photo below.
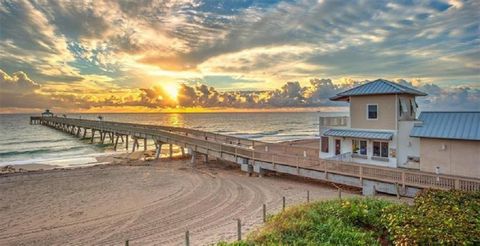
[187,238]
[264,213]
[308,196]
[239,229]
[397,190]
[126,243]
[283,203]
[457,184]
[340,193]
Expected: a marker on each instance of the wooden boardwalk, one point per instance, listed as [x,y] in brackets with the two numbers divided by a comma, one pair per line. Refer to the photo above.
[261,157]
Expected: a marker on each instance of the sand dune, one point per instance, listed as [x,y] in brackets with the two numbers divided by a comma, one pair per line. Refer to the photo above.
[148,205]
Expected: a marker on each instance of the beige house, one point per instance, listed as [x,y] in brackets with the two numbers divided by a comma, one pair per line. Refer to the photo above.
[449,142]
[380,129]
[380,118]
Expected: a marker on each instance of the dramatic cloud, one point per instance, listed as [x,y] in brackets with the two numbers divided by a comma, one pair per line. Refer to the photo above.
[129,50]
[19,91]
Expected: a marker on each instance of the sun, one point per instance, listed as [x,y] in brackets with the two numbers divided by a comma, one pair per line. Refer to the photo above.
[171,90]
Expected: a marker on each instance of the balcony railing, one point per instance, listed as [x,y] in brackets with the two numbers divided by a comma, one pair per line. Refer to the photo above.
[334,121]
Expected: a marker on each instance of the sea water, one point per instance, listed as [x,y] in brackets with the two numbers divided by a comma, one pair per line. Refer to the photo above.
[22,143]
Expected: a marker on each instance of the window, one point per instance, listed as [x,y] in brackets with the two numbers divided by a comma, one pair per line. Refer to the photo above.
[380,149]
[413,109]
[403,106]
[324,142]
[372,111]
[359,147]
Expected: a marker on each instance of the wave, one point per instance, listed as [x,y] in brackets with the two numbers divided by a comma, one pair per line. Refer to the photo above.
[36,141]
[39,151]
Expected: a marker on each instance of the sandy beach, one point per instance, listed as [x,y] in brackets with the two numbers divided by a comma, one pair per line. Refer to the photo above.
[146,202]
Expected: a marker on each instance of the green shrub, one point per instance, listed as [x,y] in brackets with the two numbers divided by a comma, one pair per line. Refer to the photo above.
[437,217]
[339,222]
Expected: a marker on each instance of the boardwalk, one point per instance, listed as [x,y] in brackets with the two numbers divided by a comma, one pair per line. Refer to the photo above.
[261,157]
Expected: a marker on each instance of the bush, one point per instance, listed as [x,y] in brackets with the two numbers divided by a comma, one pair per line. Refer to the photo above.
[339,222]
[437,217]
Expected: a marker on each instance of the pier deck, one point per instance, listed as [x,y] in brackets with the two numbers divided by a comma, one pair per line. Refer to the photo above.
[261,157]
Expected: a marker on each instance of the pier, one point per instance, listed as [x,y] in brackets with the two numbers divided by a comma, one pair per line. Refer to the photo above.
[259,157]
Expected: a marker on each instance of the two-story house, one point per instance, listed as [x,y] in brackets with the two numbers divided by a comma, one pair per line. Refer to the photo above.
[377,129]
[381,128]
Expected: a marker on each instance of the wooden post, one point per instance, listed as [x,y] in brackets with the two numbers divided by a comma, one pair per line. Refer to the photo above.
[93,135]
[397,190]
[116,142]
[183,151]
[264,213]
[457,184]
[84,132]
[283,203]
[340,193]
[126,243]
[361,174]
[126,142]
[194,155]
[158,150]
[102,136]
[145,144]
[239,229]
[170,151]
[187,238]
[308,196]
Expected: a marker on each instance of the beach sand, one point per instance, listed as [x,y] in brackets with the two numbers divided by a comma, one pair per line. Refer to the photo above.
[145,202]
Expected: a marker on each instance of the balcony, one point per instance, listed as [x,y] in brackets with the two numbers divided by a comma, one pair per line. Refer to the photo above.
[336,120]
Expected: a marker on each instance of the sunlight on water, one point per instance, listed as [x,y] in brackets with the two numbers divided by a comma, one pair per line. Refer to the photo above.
[22,143]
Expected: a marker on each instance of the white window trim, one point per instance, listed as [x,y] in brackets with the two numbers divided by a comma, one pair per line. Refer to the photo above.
[359,143]
[370,104]
[388,150]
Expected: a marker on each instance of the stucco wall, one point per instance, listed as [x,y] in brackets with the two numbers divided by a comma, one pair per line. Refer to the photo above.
[456,157]
[407,146]
[386,112]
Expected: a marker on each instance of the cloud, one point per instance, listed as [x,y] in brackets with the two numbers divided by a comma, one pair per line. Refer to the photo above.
[19,91]
[459,98]
[130,48]
[18,82]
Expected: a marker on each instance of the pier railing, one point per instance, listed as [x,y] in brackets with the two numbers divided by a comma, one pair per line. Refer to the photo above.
[276,154]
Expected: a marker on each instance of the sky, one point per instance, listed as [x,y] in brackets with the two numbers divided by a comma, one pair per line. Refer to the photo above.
[196,55]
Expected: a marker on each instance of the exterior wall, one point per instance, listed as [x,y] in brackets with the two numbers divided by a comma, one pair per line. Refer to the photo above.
[407,146]
[386,112]
[346,148]
[455,157]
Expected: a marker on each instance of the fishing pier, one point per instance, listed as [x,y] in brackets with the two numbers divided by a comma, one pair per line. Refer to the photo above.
[259,157]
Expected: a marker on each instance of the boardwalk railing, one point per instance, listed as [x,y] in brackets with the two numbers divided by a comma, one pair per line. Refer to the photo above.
[271,153]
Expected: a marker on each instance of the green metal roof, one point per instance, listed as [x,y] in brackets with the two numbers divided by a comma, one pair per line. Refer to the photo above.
[359,134]
[377,87]
[448,125]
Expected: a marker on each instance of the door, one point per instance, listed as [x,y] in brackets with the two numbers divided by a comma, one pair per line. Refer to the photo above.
[338,144]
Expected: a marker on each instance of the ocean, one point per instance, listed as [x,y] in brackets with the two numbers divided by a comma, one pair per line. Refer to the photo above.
[22,143]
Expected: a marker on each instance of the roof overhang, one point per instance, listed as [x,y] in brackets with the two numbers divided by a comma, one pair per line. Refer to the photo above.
[340,98]
[359,134]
